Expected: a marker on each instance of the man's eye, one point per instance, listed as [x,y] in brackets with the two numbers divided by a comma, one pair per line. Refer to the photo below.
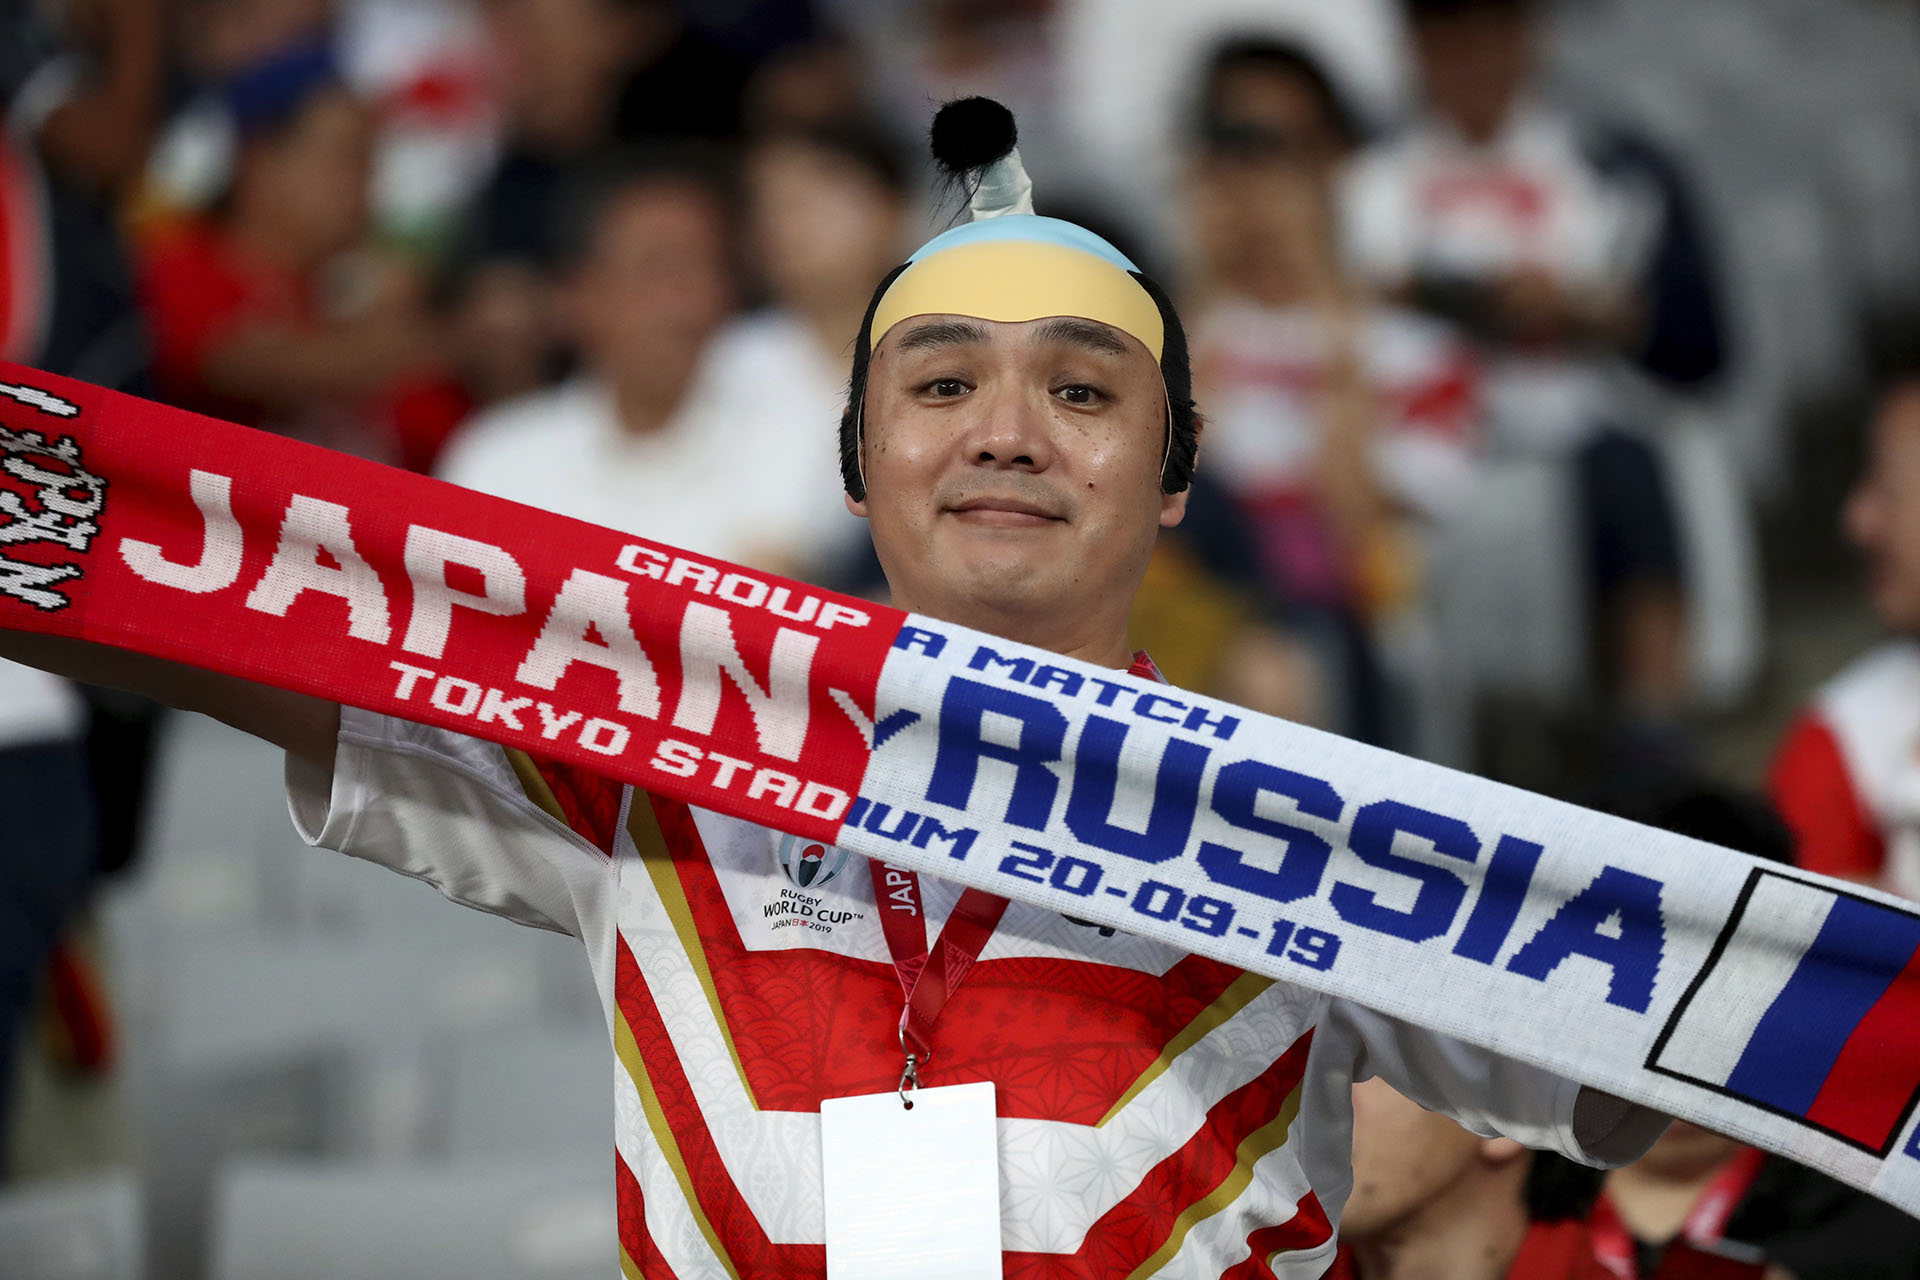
[944,388]
[1079,393]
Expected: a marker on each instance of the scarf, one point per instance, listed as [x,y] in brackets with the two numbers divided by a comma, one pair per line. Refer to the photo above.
[1764,1002]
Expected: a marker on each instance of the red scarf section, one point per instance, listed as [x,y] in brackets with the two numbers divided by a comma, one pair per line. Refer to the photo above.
[161,531]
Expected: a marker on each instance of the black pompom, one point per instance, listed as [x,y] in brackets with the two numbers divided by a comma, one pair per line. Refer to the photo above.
[971,133]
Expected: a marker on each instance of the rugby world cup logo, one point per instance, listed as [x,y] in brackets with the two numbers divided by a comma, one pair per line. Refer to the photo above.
[809,863]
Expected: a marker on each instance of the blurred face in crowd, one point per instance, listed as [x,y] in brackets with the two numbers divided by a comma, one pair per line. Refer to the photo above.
[306,184]
[221,36]
[653,285]
[1412,1167]
[1013,475]
[1473,64]
[1262,182]
[560,62]
[822,226]
[1882,515]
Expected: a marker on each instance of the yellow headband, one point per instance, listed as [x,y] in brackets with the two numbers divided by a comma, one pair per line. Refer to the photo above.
[1019,279]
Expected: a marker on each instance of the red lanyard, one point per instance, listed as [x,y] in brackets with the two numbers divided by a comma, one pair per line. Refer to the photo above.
[928,979]
[1705,1225]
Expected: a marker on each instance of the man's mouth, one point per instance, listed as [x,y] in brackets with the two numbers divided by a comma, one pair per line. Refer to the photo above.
[1005,510]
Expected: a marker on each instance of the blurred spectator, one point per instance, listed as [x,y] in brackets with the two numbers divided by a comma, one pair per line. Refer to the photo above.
[1846,777]
[815,84]
[1574,259]
[1344,429]
[651,435]
[1130,73]
[576,77]
[1006,50]
[80,107]
[826,217]
[1698,1193]
[219,38]
[257,316]
[1431,1199]
[1206,615]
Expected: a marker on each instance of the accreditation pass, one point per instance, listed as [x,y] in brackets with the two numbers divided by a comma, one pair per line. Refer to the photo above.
[912,1192]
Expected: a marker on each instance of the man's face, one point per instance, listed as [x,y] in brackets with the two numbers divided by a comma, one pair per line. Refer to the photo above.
[1473,64]
[654,283]
[822,227]
[1882,515]
[1013,472]
[314,174]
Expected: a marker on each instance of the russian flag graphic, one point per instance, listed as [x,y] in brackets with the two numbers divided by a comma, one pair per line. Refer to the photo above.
[1801,1009]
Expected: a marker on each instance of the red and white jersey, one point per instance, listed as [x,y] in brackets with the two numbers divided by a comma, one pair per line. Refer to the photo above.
[1160,1114]
[1431,204]
[1262,374]
[1847,776]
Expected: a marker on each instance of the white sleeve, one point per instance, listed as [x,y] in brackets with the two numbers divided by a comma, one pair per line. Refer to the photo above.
[448,810]
[1378,229]
[1491,1095]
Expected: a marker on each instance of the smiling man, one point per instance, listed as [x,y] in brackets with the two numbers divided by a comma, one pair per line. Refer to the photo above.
[1020,462]
[1019,429]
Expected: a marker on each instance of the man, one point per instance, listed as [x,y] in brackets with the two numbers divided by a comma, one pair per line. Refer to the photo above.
[1019,430]
[1574,260]
[669,393]
[1846,777]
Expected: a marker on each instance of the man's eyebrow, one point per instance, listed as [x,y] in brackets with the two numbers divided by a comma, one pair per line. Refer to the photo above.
[1090,334]
[940,333]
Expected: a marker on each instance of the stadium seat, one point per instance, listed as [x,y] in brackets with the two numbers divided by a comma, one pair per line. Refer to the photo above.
[84,1228]
[507,1093]
[284,1220]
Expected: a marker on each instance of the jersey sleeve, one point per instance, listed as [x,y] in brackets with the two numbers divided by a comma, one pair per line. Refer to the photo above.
[1495,1096]
[1811,787]
[489,828]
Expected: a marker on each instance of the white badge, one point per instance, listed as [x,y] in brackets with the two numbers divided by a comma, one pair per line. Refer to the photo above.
[912,1193]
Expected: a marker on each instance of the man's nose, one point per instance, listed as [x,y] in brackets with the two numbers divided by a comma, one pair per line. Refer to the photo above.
[1012,431]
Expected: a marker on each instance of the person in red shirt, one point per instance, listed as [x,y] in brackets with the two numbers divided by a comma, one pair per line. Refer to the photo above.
[1847,775]
[242,327]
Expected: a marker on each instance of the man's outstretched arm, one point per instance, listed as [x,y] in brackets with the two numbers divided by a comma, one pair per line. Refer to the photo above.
[305,727]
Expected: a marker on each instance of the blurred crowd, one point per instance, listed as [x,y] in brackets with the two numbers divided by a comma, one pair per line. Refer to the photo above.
[1533,340]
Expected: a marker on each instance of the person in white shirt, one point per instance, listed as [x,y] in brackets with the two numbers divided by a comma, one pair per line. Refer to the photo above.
[1572,257]
[827,213]
[660,432]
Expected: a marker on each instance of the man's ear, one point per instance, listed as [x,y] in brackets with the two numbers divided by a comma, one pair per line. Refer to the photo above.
[1173,507]
[856,505]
